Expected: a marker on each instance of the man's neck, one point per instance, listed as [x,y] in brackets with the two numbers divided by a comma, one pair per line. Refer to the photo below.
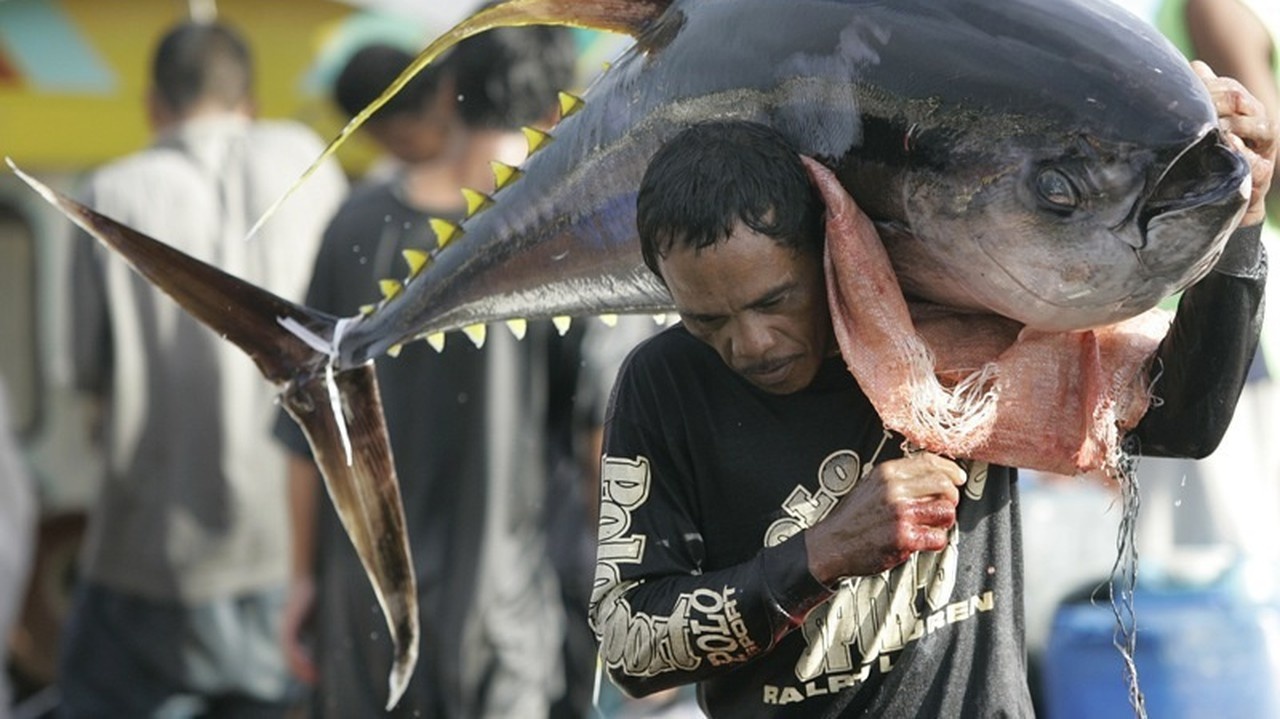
[432,187]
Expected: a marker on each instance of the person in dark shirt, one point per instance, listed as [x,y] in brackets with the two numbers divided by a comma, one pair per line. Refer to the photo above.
[468,423]
[761,533]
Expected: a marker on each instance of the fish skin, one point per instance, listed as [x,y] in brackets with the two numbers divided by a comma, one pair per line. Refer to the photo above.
[944,133]
[939,116]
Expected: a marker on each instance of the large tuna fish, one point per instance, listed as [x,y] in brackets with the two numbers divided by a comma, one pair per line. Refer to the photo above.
[1053,161]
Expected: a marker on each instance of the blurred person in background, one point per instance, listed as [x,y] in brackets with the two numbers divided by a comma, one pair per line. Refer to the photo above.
[185,565]
[17,537]
[471,427]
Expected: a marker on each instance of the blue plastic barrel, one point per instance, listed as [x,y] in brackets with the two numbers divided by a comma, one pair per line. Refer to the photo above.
[1201,653]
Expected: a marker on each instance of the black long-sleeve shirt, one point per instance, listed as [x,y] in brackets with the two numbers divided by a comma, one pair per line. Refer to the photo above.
[709,482]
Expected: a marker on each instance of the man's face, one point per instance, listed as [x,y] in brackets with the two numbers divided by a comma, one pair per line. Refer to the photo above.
[760,305]
[418,137]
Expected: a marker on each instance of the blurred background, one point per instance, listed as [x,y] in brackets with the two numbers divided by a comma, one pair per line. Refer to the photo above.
[72,84]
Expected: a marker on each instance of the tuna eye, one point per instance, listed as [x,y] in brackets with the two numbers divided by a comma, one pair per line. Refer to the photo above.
[1055,188]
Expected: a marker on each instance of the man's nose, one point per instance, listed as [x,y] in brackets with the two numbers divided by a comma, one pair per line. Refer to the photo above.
[752,341]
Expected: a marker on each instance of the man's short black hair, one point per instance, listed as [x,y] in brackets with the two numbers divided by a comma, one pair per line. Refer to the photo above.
[510,77]
[714,174]
[196,62]
[373,68]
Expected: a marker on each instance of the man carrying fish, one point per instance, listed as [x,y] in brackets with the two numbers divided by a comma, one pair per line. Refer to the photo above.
[762,533]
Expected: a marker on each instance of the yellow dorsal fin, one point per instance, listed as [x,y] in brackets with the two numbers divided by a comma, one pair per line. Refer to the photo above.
[569,104]
[562,324]
[417,259]
[476,333]
[445,230]
[436,340]
[537,138]
[518,327]
[476,200]
[610,319]
[390,288]
[394,350]
[504,174]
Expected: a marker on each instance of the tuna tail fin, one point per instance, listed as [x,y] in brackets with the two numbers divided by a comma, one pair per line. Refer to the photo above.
[288,343]
[367,496]
[628,17]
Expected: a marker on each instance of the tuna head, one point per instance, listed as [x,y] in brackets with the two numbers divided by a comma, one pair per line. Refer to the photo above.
[1074,189]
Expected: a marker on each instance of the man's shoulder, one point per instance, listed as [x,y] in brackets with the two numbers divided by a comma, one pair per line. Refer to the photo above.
[155,161]
[125,188]
[369,206]
[672,352]
[286,134]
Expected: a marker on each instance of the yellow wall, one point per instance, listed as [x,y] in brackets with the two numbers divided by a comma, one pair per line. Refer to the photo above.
[43,130]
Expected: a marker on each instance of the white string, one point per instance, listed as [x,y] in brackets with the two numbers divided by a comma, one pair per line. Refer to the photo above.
[330,350]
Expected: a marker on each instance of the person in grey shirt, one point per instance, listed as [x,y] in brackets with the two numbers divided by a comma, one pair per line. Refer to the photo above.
[185,564]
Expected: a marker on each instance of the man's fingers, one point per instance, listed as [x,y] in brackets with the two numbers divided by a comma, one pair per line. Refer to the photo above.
[1255,131]
[952,471]
[1202,69]
[937,513]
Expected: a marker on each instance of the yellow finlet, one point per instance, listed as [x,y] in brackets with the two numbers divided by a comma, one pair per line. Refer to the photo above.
[504,174]
[394,350]
[660,319]
[476,201]
[436,340]
[367,309]
[476,333]
[537,138]
[417,259]
[518,327]
[562,324]
[610,320]
[445,230]
[569,104]
[390,288]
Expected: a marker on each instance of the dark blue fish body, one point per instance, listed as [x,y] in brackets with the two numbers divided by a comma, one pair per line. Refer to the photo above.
[1052,161]
[940,117]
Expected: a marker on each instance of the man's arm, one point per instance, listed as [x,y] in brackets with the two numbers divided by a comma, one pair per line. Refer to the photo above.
[661,620]
[303,479]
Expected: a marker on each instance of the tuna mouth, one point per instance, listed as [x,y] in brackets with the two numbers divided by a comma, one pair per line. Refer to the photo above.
[1208,174]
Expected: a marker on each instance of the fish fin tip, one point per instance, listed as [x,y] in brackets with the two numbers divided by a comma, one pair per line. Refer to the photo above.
[436,340]
[390,288]
[475,333]
[569,104]
[518,326]
[610,320]
[416,259]
[504,174]
[536,138]
[445,231]
[562,324]
[476,201]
